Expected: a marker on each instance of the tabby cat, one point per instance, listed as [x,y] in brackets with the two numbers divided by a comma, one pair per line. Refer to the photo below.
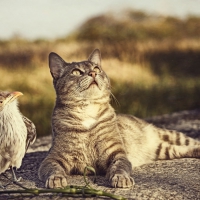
[88,132]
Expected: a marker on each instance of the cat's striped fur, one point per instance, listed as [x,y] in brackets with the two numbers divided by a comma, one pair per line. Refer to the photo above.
[87,131]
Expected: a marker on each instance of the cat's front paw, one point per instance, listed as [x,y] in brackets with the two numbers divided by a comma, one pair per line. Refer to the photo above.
[122,181]
[56,181]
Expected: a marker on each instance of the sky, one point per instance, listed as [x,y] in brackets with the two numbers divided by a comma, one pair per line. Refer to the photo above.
[50,19]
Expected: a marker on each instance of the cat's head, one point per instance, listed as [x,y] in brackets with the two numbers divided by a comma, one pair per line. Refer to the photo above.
[77,81]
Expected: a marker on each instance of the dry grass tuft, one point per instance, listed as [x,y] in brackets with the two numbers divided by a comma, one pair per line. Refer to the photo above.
[129,73]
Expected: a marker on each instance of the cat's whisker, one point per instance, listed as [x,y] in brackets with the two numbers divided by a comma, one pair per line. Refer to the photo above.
[115,99]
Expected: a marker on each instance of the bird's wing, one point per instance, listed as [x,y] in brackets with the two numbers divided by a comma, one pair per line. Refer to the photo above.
[31,131]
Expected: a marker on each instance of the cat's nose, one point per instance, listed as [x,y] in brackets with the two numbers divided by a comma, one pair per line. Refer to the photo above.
[92,74]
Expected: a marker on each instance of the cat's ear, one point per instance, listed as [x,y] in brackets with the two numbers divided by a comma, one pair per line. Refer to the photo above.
[56,65]
[95,57]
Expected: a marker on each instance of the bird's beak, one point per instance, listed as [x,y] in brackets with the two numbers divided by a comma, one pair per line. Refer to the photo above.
[15,94]
[12,96]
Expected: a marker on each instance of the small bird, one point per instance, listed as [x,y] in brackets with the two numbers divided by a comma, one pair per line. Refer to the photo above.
[16,132]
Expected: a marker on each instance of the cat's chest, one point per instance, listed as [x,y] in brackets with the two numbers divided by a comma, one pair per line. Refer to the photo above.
[90,115]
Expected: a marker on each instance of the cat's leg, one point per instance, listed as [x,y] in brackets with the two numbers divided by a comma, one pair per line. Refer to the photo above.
[166,151]
[119,172]
[176,138]
[54,172]
[176,145]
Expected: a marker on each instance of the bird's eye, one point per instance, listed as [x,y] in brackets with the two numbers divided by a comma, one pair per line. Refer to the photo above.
[77,72]
[97,70]
[1,101]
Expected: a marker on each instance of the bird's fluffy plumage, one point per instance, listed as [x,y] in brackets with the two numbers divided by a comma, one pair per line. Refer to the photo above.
[15,136]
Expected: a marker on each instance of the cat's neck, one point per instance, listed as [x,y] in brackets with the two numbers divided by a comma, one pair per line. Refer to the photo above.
[87,113]
[87,108]
[81,104]
[94,113]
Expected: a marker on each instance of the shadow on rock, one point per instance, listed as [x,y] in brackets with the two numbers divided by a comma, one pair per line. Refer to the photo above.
[30,166]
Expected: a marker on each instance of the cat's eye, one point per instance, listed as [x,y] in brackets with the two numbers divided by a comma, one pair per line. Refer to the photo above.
[77,72]
[97,70]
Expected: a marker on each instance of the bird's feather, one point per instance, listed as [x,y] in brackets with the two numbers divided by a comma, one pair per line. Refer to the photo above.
[31,131]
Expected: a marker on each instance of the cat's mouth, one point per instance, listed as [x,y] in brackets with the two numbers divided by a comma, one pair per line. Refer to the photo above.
[94,83]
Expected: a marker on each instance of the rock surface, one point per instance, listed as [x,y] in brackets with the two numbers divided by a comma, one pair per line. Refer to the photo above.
[174,179]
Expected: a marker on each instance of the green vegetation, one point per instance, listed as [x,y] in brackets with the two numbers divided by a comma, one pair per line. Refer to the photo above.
[153,63]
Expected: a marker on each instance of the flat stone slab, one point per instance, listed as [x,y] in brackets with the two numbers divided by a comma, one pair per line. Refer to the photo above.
[171,179]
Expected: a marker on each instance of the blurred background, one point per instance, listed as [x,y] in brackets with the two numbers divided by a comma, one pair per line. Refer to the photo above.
[150,51]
